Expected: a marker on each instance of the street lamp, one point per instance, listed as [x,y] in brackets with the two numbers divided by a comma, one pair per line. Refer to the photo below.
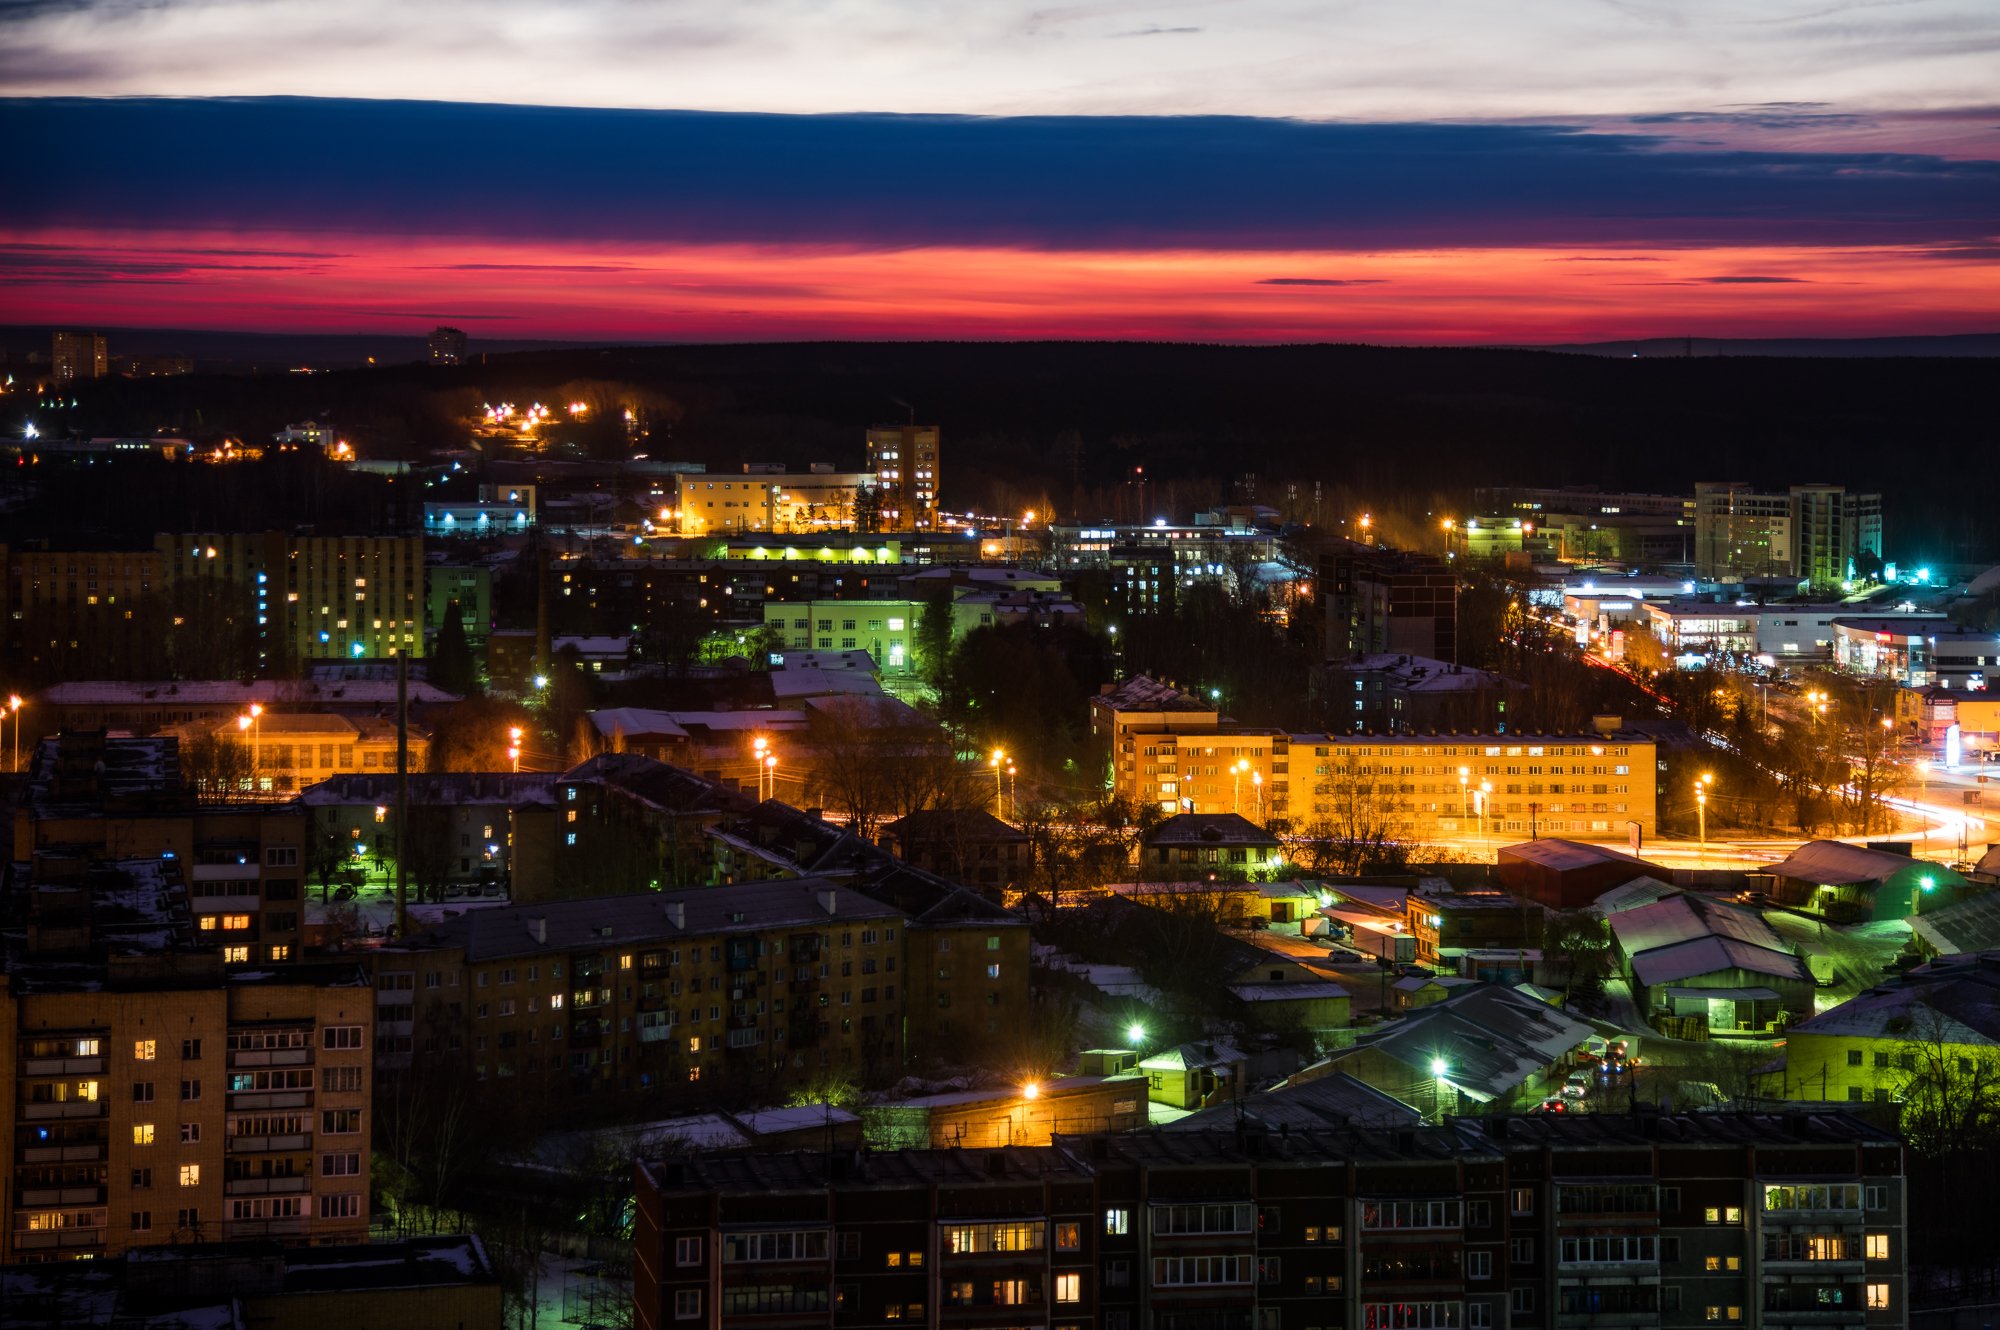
[1439,1069]
[1011,798]
[1257,788]
[1464,795]
[759,750]
[252,724]
[1135,1034]
[998,759]
[1701,809]
[14,709]
[514,748]
[1485,797]
[1236,769]
[770,773]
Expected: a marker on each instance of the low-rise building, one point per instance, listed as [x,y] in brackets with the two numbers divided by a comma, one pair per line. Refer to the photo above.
[1215,845]
[1923,654]
[1694,957]
[1403,694]
[290,750]
[1849,883]
[1923,1041]
[967,844]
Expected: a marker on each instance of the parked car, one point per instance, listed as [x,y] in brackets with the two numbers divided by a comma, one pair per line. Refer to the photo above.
[1577,1086]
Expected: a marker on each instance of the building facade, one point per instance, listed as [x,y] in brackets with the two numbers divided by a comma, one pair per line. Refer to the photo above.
[790,503]
[78,355]
[1656,1221]
[905,461]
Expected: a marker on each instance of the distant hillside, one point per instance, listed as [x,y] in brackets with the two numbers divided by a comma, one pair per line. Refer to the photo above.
[1960,344]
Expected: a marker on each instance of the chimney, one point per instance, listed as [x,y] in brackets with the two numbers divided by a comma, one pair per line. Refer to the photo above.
[538,929]
[828,899]
[677,913]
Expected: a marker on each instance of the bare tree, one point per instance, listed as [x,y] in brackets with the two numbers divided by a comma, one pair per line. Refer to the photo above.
[1949,1090]
[875,760]
[1362,820]
[216,767]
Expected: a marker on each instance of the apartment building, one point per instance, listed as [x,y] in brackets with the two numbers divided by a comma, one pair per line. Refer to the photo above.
[1587,786]
[905,461]
[70,612]
[92,798]
[1389,601]
[1647,1221]
[751,988]
[314,597]
[1815,534]
[78,355]
[153,1097]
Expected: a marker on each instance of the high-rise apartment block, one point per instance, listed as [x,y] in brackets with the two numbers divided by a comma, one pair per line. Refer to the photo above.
[314,597]
[79,355]
[1817,534]
[904,460]
[1391,601]
[1536,1223]
[446,346]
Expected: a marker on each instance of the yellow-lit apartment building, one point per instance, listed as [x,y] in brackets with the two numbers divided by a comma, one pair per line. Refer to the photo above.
[149,1100]
[1182,757]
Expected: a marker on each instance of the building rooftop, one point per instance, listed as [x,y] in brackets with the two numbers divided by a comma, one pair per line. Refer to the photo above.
[1707,954]
[1206,829]
[1325,1101]
[276,696]
[1833,863]
[1955,1000]
[970,825]
[556,927]
[1970,925]
[513,789]
[1567,855]
[1145,693]
[1682,918]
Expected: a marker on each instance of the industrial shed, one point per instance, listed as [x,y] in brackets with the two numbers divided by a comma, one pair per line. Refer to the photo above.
[1852,882]
[1691,956]
[1568,874]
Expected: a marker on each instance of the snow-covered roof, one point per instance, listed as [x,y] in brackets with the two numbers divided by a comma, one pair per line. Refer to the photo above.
[1682,918]
[1833,863]
[1306,992]
[1639,891]
[1708,954]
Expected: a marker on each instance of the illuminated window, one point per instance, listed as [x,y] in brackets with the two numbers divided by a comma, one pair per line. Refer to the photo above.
[1878,1297]
[144,1050]
[1878,1246]
[235,923]
[207,923]
[190,1175]
[142,1133]
[235,955]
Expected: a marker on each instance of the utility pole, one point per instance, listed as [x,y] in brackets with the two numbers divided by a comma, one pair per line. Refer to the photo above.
[402,793]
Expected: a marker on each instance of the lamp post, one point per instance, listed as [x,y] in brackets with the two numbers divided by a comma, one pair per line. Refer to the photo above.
[759,750]
[1485,798]
[252,725]
[14,709]
[1011,800]
[1464,794]
[1257,788]
[1236,769]
[1701,810]
[514,747]
[770,773]
[996,761]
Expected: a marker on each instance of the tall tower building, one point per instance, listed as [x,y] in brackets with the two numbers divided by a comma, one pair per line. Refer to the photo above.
[447,346]
[78,355]
[904,459]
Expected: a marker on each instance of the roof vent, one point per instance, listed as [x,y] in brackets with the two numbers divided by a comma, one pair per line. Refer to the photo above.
[677,913]
[828,900]
[538,929]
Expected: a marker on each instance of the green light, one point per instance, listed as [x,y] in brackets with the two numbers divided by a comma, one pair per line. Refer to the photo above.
[1135,1032]
[1439,1066]
[1928,883]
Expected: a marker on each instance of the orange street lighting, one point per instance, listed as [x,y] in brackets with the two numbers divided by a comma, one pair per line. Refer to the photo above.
[999,756]
[1032,1090]
[14,709]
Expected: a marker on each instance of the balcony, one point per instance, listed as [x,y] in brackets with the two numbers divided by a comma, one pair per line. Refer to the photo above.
[41,1196]
[1608,1272]
[68,1108]
[65,1239]
[1854,1314]
[32,1067]
[266,1186]
[252,1145]
[1850,1267]
[272,1057]
[87,1153]
[1607,1320]
[240,1100]
[236,1230]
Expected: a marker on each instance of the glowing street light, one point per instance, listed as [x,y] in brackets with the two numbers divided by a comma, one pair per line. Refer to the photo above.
[252,724]
[1464,793]
[14,710]
[1236,769]
[1701,808]
[514,747]
[997,761]
[1135,1033]
[1031,1091]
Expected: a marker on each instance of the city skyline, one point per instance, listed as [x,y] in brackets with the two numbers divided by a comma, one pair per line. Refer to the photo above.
[1207,172]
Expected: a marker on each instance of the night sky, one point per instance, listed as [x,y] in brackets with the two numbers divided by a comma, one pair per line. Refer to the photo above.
[1257,171]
